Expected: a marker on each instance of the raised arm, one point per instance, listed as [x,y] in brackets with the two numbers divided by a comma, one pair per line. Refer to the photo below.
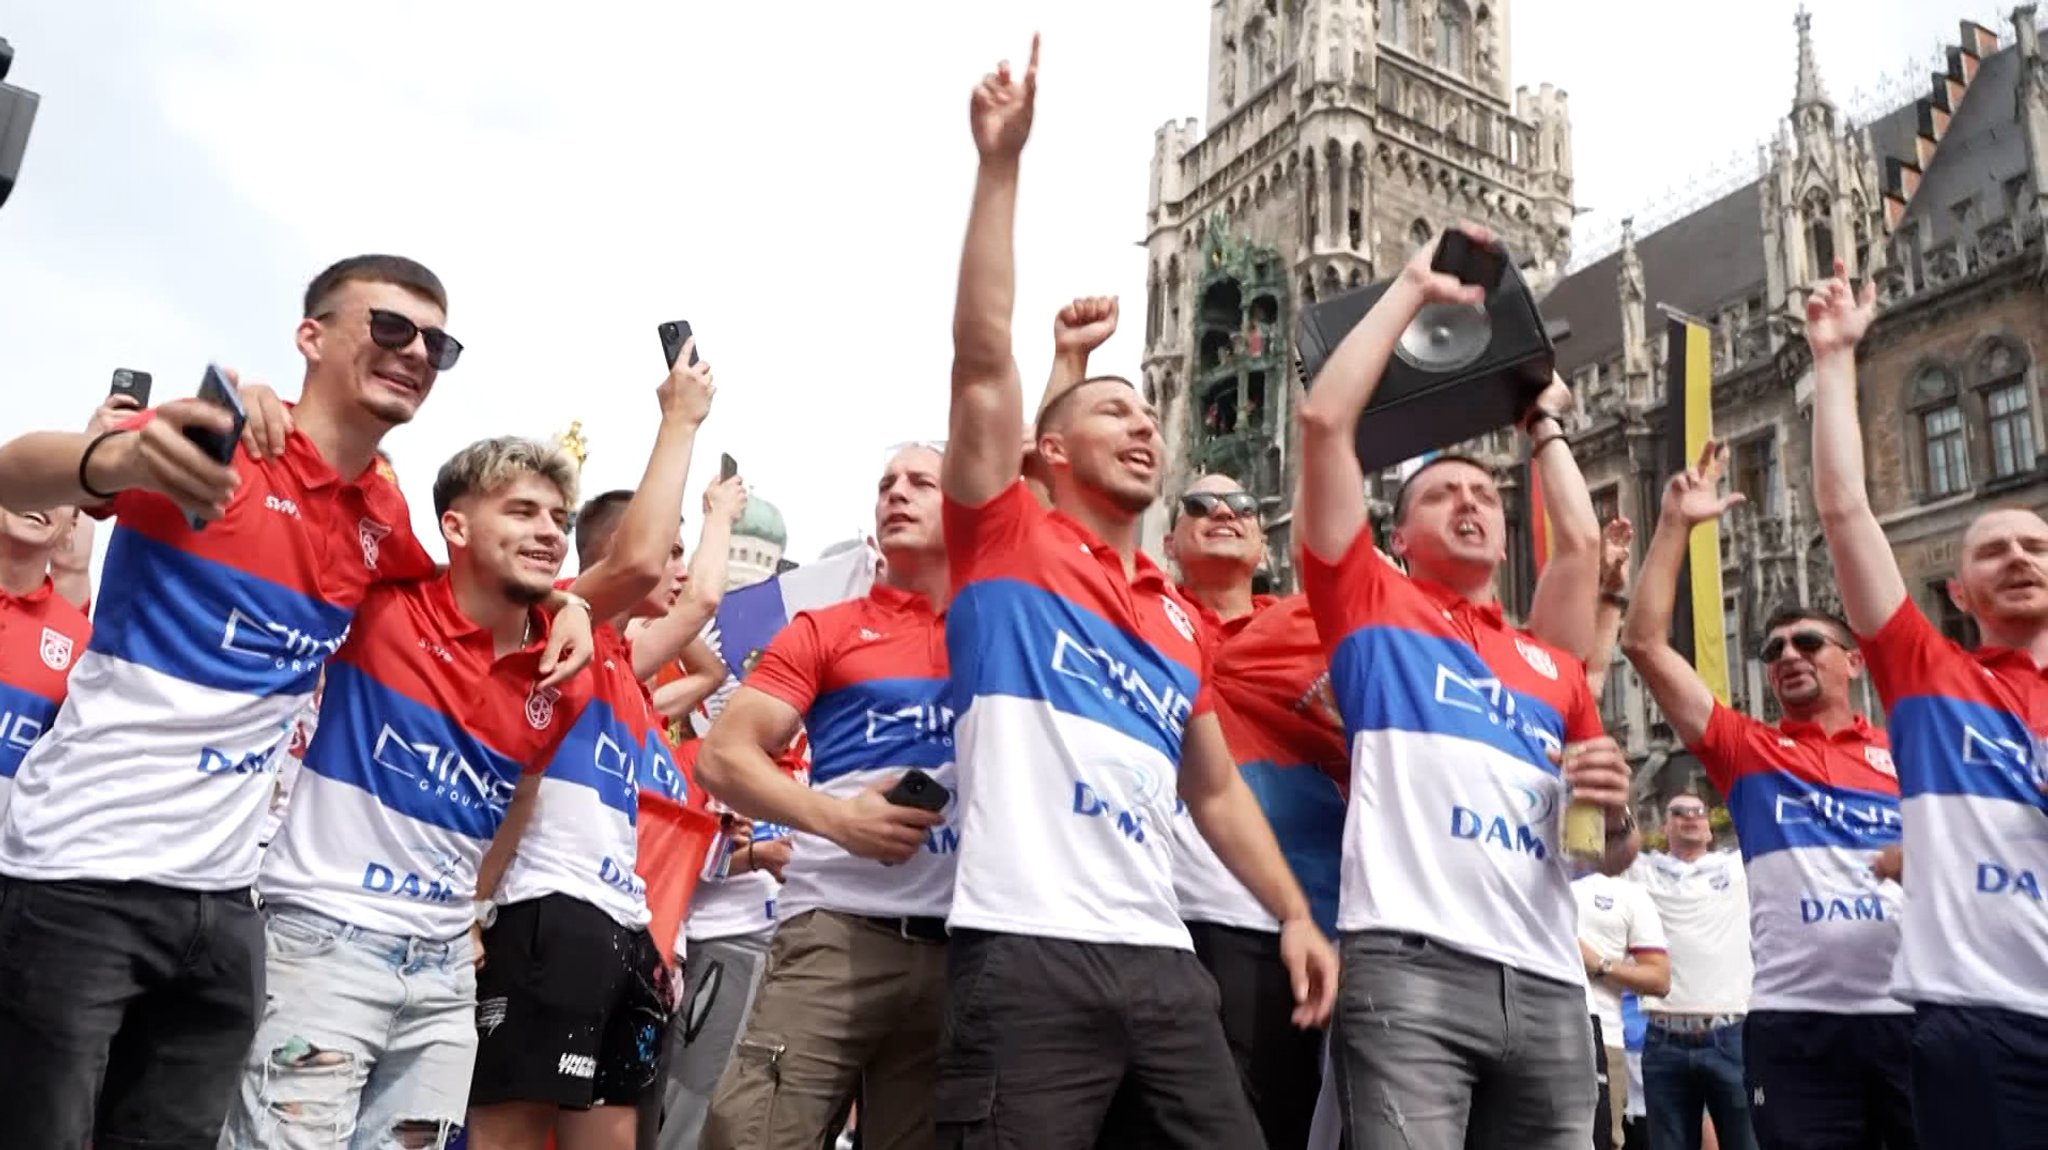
[1690,500]
[703,674]
[1563,611]
[1331,510]
[46,469]
[1866,571]
[1617,544]
[1078,329]
[987,424]
[661,640]
[646,533]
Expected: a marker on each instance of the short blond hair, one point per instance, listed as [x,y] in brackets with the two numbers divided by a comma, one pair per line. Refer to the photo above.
[488,465]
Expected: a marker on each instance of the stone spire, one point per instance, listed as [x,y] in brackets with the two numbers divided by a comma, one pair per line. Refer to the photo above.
[1809,90]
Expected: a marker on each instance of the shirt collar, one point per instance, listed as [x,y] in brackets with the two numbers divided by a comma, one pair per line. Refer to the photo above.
[34,598]
[897,599]
[1859,730]
[313,471]
[1217,623]
[1446,599]
[454,625]
[1147,573]
[2008,661]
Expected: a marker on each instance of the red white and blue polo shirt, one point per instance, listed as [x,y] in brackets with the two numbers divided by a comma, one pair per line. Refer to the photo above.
[1811,811]
[1456,807]
[869,678]
[1968,731]
[424,733]
[41,637]
[1074,685]
[583,841]
[205,646]
[1271,682]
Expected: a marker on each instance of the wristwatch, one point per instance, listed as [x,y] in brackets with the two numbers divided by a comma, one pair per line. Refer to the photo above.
[1606,967]
[486,913]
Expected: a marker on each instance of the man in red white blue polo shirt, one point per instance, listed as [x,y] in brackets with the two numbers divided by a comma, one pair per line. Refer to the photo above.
[1967,731]
[432,735]
[855,983]
[1084,715]
[1462,1020]
[574,1003]
[41,634]
[1823,1051]
[134,826]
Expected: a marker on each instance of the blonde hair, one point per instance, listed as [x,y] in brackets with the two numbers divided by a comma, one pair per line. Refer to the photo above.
[489,464]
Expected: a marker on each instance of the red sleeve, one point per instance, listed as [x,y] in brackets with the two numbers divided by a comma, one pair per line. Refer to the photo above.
[1205,696]
[401,558]
[978,537]
[792,668]
[1728,740]
[1583,722]
[1906,655]
[1348,594]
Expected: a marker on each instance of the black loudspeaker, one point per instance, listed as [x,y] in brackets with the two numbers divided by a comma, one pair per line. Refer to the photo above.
[1458,372]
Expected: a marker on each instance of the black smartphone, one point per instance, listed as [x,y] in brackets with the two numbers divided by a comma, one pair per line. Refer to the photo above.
[917,789]
[727,467]
[218,391]
[133,384]
[1472,262]
[674,334]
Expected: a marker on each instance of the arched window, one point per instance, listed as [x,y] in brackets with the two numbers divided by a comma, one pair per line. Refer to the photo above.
[1452,43]
[1820,234]
[1937,418]
[2000,376]
[1419,233]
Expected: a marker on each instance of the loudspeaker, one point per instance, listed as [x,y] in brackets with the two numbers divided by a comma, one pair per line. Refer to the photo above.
[17,116]
[1458,371]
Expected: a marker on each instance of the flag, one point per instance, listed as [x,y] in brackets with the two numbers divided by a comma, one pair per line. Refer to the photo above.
[1697,629]
[673,841]
[1539,519]
[750,617]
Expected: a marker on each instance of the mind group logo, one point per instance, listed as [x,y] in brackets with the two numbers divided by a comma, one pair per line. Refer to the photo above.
[1119,681]
[284,647]
[438,770]
[912,722]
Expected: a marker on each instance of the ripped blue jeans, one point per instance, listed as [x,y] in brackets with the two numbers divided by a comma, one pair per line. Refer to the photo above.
[367,1040]
[1435,1049]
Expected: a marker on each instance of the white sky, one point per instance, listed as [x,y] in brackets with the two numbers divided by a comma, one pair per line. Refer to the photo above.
[790,177]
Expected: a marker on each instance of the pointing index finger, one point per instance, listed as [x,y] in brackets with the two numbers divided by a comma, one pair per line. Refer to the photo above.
[1031,68]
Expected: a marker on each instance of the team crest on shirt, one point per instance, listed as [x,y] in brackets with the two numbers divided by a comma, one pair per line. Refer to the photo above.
[369,533]
[540,707]
[1178,618]
[1538,658]
[1880,760]
[1603,902]
[56,650]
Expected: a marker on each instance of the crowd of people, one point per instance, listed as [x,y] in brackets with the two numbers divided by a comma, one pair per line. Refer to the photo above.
[309,841]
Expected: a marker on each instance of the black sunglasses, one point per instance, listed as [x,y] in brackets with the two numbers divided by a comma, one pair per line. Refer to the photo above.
[394,332]
[1203,504]
[1687,812]
[1807,643]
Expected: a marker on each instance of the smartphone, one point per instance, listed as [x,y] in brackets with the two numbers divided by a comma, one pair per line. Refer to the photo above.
[1473,263]
[217,390]
[727,467]
[917,789]
[133,384]
[674,335]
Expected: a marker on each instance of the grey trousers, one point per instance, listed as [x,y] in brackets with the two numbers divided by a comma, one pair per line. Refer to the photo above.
[1438,1050]
[720,978]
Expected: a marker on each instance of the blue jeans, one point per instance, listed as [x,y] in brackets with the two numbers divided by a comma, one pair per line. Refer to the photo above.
[366,1042]
[1684,1074]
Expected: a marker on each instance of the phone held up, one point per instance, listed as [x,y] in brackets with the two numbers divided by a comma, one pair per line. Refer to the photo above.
[919,790]
[219,391]
[727,467]
[133,384]
[674,334]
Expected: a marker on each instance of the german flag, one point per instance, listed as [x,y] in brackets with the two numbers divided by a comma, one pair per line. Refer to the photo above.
[1539,518]
[1696,625]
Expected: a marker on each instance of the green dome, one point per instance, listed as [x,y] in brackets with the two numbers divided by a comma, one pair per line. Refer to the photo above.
[761,521]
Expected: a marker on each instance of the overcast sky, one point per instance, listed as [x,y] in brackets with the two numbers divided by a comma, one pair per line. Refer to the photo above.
[790,177]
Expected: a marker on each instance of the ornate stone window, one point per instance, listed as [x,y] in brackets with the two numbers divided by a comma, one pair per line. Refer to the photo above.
[2001,378]
[1397,22]
[1937,419]
[1756,472]
[1419,233]
[1453,43]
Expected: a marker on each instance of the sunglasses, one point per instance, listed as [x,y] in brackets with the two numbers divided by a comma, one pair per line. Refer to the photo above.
[394,332]
[1202,504]
[1687,812]
[1808,643]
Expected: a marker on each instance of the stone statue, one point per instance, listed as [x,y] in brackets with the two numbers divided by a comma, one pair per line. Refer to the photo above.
[1269,54]
[1634,338]
[571,444]
[1226,80]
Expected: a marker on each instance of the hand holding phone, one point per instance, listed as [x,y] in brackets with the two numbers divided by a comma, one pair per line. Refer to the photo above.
[919,791]
[1474,263]
[131,385]
[674,335]
[727,467]
[217,390]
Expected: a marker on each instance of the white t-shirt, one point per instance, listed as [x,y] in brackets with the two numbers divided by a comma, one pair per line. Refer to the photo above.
[1618,920]
[1704,905]
[740,905]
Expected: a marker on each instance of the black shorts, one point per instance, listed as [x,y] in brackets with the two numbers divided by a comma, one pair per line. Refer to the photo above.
[570,1008]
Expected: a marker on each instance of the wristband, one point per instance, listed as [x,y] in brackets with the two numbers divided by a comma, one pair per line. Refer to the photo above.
[1538,416]
[1537,447]
[85,461]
